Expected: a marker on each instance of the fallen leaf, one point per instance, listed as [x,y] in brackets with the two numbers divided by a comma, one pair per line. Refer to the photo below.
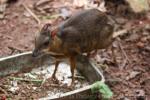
[139,5]
[80,3]
[139,92]
[132,75]
[65,13]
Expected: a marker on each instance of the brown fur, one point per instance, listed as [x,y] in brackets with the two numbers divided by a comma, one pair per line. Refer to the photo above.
[81,33]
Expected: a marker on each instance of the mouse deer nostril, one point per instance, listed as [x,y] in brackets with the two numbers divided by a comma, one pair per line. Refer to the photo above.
[35,53]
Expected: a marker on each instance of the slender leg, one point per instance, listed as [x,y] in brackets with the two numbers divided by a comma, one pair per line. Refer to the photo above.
[88,54]
[56,67]
[73,65]
[113,55]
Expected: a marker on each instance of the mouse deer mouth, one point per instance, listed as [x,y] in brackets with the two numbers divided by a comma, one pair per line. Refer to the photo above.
[38,53]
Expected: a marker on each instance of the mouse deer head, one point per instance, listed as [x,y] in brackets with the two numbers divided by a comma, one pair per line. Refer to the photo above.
[42,41]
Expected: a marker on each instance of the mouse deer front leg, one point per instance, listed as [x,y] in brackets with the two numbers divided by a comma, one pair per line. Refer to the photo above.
[55,70]
[72,67]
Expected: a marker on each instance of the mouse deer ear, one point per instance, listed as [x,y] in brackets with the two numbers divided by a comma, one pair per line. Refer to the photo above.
[46,29]
[46,26]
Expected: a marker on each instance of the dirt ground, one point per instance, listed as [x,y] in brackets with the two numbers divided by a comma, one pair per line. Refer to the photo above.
[128,81]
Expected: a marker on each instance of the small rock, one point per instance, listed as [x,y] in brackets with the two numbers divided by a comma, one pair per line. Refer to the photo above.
[34,88]
[140,44]
[76,81]
[26,14]
[13,89]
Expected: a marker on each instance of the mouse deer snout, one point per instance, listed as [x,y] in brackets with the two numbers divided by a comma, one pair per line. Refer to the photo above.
[35,53]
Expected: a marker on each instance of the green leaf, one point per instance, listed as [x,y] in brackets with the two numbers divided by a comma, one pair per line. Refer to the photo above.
[103,89]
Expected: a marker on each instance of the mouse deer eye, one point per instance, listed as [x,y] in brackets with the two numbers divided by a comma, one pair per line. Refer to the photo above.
[46,43]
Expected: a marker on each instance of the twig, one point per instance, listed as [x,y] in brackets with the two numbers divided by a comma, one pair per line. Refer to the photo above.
[41,2]
[15,48]
[60,86]
[114,80]
[32,14]
[54,85]
[78,77]
[99,70]
[26,80]
[120,32]
[123,52]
